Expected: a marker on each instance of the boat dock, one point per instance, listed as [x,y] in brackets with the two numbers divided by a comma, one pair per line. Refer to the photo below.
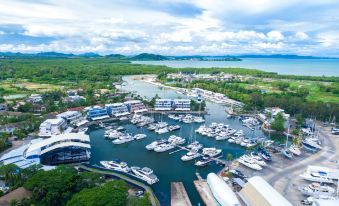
[179,195]
[204,192]
[153,198]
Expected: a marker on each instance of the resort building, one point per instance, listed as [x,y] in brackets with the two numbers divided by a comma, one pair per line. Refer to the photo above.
[117,109]
[135,106]
[97,113]
[276,110]
[257,192]
[34,98]
[52,127]
[163,105]
[73,117]
[182,104]
[59,149]
[222,193]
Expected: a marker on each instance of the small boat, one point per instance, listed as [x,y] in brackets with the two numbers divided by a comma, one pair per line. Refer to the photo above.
[173,127]
[145,174]
[116,165]
[123,139]
[154,144]
[162,130]
[139,136]
[175,140]
[198,120]
[231,140]
[203,162]
[163,147]
[294,150]
[211,152]
[287,154]
[194,146]
[238,174]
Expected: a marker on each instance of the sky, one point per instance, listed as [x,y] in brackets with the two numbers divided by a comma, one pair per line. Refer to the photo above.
[171,27]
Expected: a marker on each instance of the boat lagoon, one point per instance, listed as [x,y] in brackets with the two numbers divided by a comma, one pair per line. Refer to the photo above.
[310,67]
[167,167]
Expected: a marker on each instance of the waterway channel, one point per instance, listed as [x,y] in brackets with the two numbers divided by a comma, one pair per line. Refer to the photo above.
[168,168]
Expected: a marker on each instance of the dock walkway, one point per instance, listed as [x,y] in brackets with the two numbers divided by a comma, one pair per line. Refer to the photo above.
[153,198]
[179,195]
[204,192]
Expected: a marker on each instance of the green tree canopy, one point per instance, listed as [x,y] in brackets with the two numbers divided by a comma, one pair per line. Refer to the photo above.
[278,123]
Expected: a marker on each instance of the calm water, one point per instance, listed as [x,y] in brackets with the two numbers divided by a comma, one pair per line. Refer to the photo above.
[311,67]
[167,167]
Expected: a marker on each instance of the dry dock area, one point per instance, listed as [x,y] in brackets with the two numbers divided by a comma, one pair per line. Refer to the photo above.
[204,192]
[179,195]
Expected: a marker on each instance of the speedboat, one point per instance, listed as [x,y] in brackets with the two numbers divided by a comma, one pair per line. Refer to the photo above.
[316,177]
[203,162]
[211,152]
[116,165]
[145,174]
[140,136]
[190,155]
[287,154]
[173,127]
[123,139]
[155,143]
[249,163]
[163,147]
[316,189]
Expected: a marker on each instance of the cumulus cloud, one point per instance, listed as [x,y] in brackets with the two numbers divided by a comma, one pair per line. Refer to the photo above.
[171,26]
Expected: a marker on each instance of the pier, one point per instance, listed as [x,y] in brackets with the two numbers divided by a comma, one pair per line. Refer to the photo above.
[179,195]
[204,192]
[154,200]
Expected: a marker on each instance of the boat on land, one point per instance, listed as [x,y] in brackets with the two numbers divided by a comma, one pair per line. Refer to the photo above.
[311,145]
[316,189]
[248,162]
[116,165]
[286,153]
[317,177]
[294,150]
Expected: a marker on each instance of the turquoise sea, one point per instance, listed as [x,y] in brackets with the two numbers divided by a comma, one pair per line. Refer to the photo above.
[309,67]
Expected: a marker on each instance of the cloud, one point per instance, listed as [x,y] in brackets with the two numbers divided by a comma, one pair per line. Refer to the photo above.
[171,26]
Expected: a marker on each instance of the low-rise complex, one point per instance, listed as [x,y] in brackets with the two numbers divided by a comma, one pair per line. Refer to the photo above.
[135,106]
[97,113]
[117,109]
[52,127]
[175,104]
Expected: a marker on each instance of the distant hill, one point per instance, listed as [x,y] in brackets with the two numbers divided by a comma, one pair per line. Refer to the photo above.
[89,54]
[116,56]
[148,57]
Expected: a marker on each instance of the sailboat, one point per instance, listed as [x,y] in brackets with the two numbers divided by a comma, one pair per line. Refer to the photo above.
[286,152]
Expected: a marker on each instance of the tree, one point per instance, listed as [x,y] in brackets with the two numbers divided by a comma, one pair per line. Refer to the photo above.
[278,123]
[113,193]
[229,157]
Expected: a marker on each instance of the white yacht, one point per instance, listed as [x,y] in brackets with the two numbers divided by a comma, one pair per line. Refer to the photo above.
[116,165]
[173,127]
[198,120]
[231,140]
[145,174]
[316,189]
[123,139]
[163,147]
[190,155]
[257,160]
[154,144]
[316,177]
[194,146]
[211,152]
[203,162]
[140,136]
[162,130]
[249,163]
[221,137]
[294,150]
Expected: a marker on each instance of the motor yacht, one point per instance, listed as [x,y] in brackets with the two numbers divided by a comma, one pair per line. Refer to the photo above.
[163,147]
[173,127]
[155,143]
[123,139]
[162,130]
[198,120]
[203,162]
[231,140]
[116,165]
[221,137]
[248,162]
[152,127]
[190,155]
[139,136]
[145,174]
[316,177]
[316,189]
[211,152]
[194,146]
[294,150]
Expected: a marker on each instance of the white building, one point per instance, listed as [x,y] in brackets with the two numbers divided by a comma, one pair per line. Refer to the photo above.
[73,117]
[221,192]
[163,105]
[117,109]
[257,192]
[182,104]
[52,127]
[59,149]
[34,98]
[135,106]
[276,110]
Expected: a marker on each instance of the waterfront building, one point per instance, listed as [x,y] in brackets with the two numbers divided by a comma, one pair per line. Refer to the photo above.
[73,117]
[97,113]
[34,98]
[135,106]
[182,104]
[276,110]
[117,109]
[221,192]
[257,192]
[52,127]
[163,105]
[58,149]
